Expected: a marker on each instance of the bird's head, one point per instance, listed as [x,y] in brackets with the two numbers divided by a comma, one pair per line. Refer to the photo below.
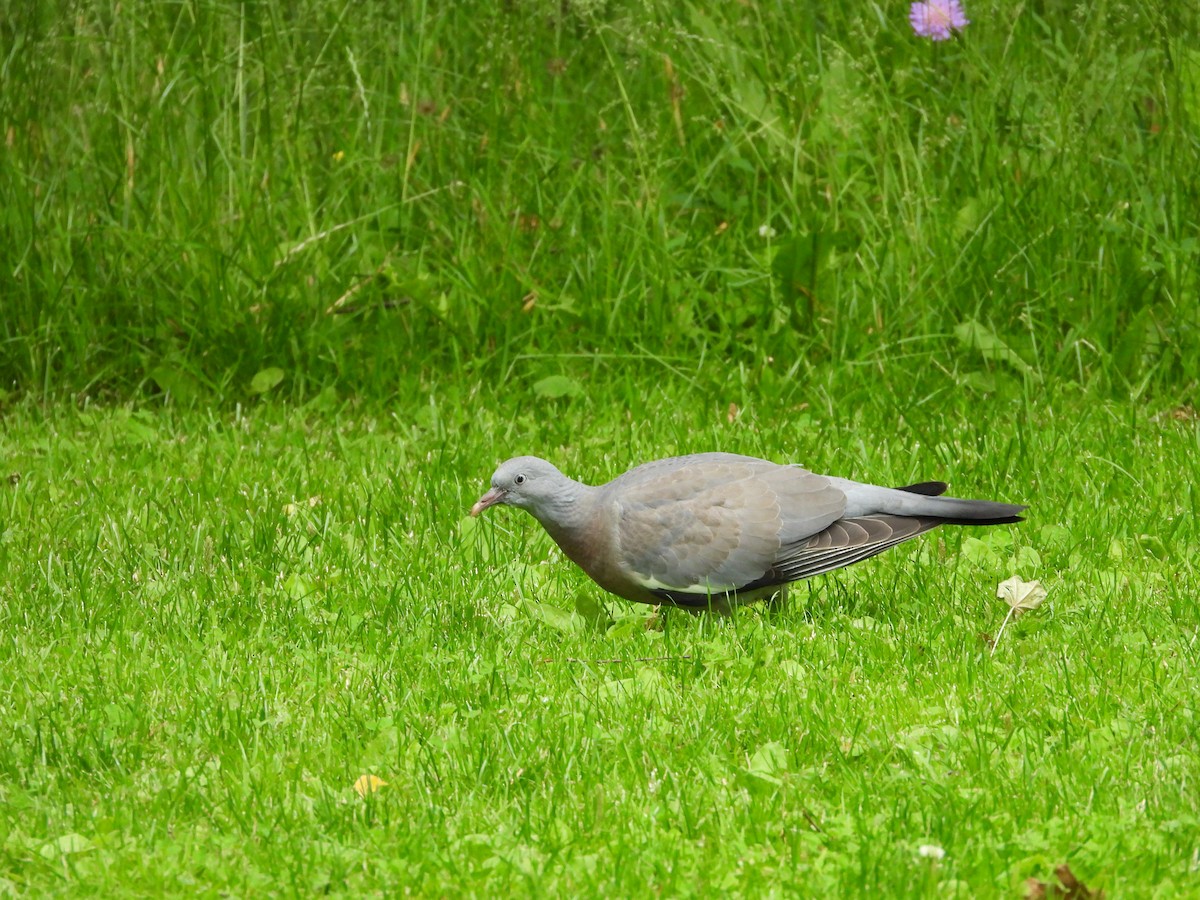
[523,481]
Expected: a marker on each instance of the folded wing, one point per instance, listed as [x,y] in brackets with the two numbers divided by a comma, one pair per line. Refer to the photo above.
[713,525]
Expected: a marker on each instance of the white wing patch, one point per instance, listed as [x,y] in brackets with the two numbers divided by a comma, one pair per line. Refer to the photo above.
[651,583]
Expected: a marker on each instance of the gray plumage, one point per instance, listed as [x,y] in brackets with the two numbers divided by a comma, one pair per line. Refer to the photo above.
[708,530]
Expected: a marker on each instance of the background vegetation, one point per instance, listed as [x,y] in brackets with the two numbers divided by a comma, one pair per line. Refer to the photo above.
[281,283]
[193,192]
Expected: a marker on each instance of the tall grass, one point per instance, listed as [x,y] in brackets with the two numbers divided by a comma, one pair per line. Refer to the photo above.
[356,193]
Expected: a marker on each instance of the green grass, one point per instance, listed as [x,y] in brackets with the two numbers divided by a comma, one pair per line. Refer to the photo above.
[281,284]
[201,660]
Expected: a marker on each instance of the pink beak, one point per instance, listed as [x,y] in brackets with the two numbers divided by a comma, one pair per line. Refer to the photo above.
[491,498]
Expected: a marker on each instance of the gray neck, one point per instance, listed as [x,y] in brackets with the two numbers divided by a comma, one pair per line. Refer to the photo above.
[569,508]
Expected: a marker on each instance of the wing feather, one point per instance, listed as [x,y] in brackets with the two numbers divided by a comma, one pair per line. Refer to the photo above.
[714,525]
[844,542]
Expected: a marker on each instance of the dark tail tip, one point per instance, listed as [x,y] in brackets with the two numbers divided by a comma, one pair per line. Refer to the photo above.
[1010,519]
[926,488]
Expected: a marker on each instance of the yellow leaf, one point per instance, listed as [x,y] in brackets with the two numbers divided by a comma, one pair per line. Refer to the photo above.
[290,509]
[368,784]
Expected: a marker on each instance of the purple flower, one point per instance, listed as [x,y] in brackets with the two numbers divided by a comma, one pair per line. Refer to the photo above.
[937,18]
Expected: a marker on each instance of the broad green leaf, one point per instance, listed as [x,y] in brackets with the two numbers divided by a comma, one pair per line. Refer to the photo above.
[979,337]
[1153,544]
[181,385]
[555,386]
[978,553]
[138,431]
[468,529]
[266,380]
[591,609]
[980,382]
[999,539]
[769,762]
[1028,559]
[558,619]
[1056,536]
[627,625]
[968,218]
[298,586]
[792,669]
[67,844]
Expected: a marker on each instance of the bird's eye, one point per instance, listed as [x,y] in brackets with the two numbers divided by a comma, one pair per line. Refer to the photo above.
[520,479]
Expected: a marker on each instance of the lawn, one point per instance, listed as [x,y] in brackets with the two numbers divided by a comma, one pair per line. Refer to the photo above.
[282,285]
[218,624]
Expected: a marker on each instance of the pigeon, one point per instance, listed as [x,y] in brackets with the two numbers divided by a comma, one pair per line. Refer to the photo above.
[712,530]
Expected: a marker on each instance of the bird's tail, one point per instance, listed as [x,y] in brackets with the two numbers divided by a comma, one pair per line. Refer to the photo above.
[923,500]
[953,511]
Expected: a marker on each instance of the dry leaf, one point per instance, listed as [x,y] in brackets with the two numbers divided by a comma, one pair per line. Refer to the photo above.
[368,784]
[1185,413]
[1068,888]
[1021,595]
